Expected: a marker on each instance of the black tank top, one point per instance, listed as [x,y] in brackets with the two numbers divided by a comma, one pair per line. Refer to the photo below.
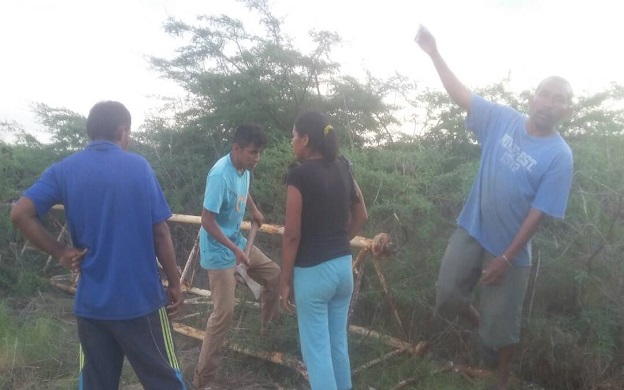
[327,193]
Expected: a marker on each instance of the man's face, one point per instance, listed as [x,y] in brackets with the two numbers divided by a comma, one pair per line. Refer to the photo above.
[246,157]
[550,104]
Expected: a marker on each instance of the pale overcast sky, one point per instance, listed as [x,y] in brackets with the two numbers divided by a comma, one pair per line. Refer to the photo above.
[73,53]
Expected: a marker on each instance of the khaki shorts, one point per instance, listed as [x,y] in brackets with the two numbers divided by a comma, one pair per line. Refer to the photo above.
[500,307]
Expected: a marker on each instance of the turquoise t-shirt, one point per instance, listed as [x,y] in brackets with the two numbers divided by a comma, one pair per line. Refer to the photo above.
[517,172]
[226,197]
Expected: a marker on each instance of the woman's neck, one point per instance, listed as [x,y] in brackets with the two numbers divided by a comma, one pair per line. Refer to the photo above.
[315,155]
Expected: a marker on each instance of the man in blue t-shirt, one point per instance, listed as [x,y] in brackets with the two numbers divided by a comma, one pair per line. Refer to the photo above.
[222,246]
[524,174]
[116,214]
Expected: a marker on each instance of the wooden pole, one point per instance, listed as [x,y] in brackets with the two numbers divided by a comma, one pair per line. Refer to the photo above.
[377,361]
[405,382]
[63,286]
[417,350]
[274,357]
[47,264]
[191,259]
[381,246]
[358,242]
[241,269]
[358,269]
[384,285]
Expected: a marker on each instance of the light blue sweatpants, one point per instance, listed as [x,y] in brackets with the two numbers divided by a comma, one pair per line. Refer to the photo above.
[322,297]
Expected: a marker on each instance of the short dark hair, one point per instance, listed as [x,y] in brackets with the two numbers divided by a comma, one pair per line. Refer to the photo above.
[250,134]
[105,119]
[313,124]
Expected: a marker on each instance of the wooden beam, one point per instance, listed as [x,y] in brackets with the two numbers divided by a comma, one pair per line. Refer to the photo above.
[358,242]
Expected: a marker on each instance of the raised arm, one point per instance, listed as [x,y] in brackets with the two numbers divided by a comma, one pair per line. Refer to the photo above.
[456,90]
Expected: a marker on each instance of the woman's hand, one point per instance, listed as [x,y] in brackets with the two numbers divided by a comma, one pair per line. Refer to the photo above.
[287,297]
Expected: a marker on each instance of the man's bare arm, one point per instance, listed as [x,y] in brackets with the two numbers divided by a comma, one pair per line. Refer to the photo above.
[163,244]
[256,215]
[455,88]
[494,273]
[24,217]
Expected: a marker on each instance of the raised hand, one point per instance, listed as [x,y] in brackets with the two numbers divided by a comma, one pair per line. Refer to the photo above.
[426,41]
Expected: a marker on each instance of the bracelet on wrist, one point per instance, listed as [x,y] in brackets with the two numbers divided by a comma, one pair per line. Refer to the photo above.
[504,256]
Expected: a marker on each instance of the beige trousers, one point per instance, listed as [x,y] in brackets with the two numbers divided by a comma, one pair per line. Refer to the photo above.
[222,287]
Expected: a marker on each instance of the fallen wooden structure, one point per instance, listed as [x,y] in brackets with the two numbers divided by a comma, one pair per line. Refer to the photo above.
[376,249]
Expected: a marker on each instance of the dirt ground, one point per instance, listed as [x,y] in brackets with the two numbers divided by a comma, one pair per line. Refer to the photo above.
[237,372]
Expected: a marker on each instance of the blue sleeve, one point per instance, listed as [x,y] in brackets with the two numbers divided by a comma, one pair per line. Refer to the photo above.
[486,118]
[215,193]
[46,192]
[552,194]
[160,207]
[478,116]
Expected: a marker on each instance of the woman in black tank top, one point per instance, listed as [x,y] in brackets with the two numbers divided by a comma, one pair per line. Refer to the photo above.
[324,211]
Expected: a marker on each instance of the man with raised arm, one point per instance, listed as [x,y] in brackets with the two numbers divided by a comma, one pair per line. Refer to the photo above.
[525,173]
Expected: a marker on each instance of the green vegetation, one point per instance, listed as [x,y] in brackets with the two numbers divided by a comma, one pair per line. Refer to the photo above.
[37,342]
[414,186]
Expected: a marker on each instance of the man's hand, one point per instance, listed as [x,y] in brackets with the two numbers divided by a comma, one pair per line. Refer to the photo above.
[70,258]
[426,41]
[287,297]
[495,272]
[241,257]
[174,297]
[257,216]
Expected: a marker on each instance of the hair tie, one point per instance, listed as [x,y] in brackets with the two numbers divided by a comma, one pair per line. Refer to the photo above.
[327,129]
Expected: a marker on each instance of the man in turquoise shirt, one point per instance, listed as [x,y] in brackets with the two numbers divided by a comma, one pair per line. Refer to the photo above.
[222,245]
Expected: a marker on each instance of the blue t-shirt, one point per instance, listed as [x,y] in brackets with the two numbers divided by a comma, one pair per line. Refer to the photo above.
[225,196]
[517,172]
[112,201]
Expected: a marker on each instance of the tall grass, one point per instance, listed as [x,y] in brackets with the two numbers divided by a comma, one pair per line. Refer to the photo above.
[36,351]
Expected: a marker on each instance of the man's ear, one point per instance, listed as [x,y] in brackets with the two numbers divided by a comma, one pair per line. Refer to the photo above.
[123,136]
[119,133]
[122,132]
[306,139]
